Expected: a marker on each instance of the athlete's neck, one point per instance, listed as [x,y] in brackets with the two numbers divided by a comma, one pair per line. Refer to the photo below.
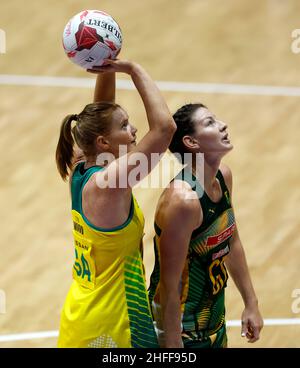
[211,166]
[89,163]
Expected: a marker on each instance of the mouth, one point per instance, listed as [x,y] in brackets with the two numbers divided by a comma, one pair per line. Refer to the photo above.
[225,138]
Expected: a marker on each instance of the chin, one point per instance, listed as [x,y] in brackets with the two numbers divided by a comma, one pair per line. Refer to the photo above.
[227,145]
[226,148]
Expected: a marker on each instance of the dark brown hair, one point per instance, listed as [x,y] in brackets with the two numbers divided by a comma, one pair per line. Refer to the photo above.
[183,118]
[94,120]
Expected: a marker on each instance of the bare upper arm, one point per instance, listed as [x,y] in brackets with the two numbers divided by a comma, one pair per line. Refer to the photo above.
[227,174]
[181,216]
[130,168]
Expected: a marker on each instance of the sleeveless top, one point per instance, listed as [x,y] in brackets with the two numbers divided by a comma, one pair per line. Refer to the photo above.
[107,304]
[204,276]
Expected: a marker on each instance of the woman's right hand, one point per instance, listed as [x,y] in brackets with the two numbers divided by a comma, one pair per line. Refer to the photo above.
[111,66]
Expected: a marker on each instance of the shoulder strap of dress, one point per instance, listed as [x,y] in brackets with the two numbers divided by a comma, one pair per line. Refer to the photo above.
[222,181]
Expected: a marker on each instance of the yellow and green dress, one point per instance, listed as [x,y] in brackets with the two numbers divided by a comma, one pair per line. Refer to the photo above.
[107,304]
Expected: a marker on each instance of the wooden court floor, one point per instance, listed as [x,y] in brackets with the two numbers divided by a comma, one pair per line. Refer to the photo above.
[197,41]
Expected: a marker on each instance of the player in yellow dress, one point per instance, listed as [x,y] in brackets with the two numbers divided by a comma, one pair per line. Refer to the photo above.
[107,304]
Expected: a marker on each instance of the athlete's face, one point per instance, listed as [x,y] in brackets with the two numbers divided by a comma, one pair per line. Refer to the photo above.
[122,133]
[210,135]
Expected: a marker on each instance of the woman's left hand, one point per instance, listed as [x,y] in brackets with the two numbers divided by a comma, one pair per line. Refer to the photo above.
[252,323]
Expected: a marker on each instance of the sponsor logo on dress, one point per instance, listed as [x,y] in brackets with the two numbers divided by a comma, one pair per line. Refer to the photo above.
[221,253]
[219,238]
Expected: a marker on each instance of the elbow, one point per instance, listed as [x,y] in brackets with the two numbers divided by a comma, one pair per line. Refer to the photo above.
[173,126]
[169,128]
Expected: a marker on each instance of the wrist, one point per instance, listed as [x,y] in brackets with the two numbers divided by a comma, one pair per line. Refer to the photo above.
[134,69]
[251,303]
[173,343]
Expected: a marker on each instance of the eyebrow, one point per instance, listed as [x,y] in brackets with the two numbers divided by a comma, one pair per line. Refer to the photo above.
[124,120]
[209,117]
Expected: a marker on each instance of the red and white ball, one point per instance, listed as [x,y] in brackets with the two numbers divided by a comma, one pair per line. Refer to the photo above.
[90,37]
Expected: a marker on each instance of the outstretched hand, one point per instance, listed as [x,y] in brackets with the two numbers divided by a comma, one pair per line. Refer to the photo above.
[110,66]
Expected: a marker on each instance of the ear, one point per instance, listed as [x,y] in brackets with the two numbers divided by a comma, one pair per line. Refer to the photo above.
[102,143]
[190,142]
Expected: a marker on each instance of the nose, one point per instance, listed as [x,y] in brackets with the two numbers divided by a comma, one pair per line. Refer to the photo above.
[223,126]
[133,129]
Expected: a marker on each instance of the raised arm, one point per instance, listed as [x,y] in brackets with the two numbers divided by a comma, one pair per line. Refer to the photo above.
[236,264]
[181,217]
[105,88]
[161,124]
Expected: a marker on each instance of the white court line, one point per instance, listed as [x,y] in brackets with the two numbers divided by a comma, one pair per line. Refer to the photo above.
[30,80]
[233,323]
[269,322]
[28,336]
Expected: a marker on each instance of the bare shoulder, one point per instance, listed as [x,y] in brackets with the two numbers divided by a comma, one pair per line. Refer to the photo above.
[227,175]
[179,201]
[180,195]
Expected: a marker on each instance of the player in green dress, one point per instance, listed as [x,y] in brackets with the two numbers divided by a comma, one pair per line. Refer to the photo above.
[196,241]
